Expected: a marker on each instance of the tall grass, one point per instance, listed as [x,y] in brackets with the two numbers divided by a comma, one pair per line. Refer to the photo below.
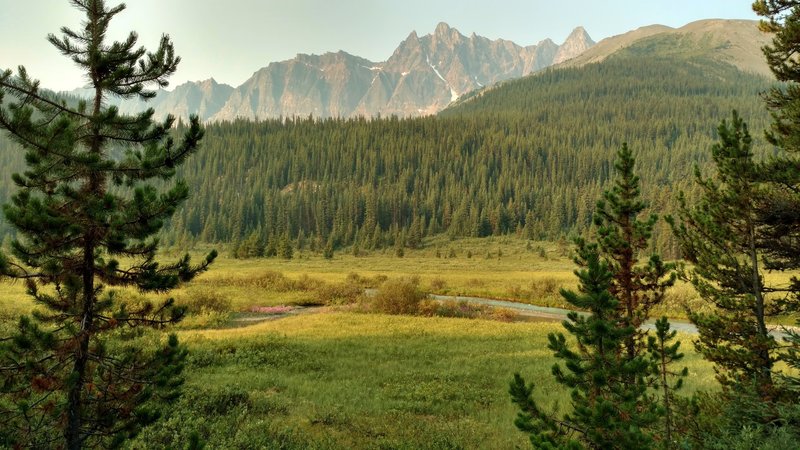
[346,380]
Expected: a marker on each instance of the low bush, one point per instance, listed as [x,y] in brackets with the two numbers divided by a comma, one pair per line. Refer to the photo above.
[399,296]
[438,284]
[366,282]
[197,302]
[276,282]
[453,308]
[466,310]
[340,293]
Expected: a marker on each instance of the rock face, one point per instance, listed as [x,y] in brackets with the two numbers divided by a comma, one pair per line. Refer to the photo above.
[422,76]
[577,42]
[203,98]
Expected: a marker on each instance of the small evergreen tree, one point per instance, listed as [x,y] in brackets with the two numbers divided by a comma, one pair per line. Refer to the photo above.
[327,252]
[71,375]
[285,249]
[664,353]
[610,372]
[608,412]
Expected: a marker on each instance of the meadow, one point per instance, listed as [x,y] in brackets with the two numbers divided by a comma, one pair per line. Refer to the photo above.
[504,268]
[351,380]
[338,377]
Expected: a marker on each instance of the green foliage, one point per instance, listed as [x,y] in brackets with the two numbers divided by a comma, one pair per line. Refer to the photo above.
[778,212]
[73,374]
[663,354]
[610,406]
[613,367]
[719,236]
[398,296]
[714,422]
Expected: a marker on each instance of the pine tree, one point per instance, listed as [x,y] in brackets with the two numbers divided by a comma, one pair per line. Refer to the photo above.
[285,249]
[778,217]
[664,353]
[608,412]
[719,236]
[622,238]
[71,375]
[611,371]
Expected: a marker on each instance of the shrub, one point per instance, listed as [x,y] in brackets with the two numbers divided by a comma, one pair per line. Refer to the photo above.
[339,293]
[205,319]
[545,287]
[276,282]
[399,296]
[465,310]
[504,315]
[438,284]
[197,302]
[452,308]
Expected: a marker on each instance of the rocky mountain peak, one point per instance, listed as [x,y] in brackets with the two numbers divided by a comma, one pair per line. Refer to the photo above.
[442,29]
[208,84]
[423,75]
[576,43]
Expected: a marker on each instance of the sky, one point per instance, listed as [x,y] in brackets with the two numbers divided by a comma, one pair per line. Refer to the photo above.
[229,40]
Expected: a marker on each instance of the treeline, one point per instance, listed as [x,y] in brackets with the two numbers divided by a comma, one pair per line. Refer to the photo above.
[529,157]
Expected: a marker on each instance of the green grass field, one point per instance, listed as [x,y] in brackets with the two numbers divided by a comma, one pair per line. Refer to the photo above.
[350,380]
[345,379]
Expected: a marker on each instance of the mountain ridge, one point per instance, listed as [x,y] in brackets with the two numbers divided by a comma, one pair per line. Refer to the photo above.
[423,75]
[736,41]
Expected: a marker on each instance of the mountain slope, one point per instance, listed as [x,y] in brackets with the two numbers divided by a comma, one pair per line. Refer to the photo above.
[737,42]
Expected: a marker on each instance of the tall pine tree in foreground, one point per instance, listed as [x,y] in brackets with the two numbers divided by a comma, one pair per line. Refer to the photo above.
[73,374]
[610,371]
[720,237]
[609,410]
[779,211]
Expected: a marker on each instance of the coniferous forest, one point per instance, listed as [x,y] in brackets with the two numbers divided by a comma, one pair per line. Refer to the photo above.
[528,158]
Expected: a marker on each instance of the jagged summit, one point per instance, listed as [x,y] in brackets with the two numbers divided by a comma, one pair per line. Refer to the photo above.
[422,76]
[576,43]
[442,28]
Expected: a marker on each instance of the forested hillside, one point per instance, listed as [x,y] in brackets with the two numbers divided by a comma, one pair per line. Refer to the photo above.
[529,157]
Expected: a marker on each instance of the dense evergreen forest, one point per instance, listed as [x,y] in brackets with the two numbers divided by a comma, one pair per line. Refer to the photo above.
[528,157]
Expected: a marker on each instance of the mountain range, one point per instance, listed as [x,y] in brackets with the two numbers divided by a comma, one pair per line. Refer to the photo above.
[424,75]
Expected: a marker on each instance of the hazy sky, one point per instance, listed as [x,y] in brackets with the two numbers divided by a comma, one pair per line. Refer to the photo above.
[231,39]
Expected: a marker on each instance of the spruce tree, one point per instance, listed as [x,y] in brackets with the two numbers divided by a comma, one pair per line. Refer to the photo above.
[779,210]
[720,237]
[86,213]
[611,371]
[622,238]
[608,410]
